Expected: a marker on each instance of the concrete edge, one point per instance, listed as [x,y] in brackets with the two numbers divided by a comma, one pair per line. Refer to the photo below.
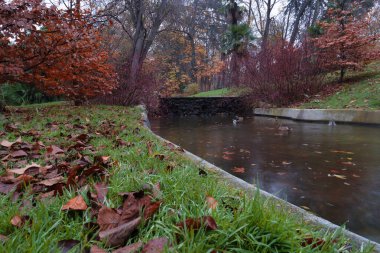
[236,182]
[323,115]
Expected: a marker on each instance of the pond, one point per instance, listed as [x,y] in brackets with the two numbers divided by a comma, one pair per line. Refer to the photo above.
[333,171]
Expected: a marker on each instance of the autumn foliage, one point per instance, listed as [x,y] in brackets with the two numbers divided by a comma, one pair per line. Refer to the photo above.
[345,42]
[58,51]
[282,74]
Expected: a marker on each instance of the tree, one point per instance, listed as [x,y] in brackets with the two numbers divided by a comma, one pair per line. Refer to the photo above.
[344,43]
[57,51]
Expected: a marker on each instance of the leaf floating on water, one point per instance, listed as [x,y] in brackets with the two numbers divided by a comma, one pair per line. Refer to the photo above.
[305,207]
[238,170]
[226,158]
[346,183]
[253,164]
[354,175]
[286,163]
[349,163]
[338,176]
[342,152]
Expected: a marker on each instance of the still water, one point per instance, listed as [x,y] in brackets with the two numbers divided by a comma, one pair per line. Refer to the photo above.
[333,171]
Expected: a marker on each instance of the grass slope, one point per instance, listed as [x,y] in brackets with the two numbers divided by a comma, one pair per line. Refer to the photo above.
[244,224]
[361,90]
[225,92]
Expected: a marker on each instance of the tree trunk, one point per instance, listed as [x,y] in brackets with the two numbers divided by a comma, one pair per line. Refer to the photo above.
[297,21]
[267,24]
[342,73]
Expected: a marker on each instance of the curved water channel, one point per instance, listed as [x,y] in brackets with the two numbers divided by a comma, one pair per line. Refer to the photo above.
[333,171]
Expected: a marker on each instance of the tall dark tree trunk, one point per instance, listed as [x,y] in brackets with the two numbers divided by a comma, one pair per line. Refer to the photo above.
[267,25]
[297,21]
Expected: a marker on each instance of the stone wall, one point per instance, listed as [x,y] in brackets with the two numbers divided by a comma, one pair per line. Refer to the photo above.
[204,106]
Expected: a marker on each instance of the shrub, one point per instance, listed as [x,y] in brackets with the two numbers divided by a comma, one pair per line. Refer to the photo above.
[192,89]
[22,94]
[282,74]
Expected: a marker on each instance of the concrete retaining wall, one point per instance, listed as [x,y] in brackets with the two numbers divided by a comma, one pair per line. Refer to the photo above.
[282,204]
[323,115]
[203,106]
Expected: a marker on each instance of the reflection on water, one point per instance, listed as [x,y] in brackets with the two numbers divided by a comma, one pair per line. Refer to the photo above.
[332,170]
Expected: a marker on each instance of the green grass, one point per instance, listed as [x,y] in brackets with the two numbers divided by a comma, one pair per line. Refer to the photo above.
[361,90]
[225,92]
[245,224]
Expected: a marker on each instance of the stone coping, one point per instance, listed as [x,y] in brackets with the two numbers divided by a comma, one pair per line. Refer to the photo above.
[251,189]
[323,115]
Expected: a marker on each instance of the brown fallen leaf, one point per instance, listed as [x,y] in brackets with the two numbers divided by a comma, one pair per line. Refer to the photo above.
[18,154]
[76,204]
[108,218]
[149,147]
[211,202]
[227,158]
[314,242]
[6,143]
[19,221]
[196,223]
[238,170]
[342,152]
[31,169]
[118,235]
[54,150]
[156,245]
[3,238]
[96,249]
[160,156]
[52,181]
[101,191]
[67,245]
[132,248]
[151,209]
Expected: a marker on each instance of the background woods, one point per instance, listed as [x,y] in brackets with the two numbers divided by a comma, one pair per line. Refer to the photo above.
[128,52]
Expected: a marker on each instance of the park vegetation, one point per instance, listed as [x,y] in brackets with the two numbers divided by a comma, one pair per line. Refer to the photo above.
[130,52]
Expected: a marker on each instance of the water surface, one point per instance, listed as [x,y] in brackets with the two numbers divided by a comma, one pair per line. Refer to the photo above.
[331,171]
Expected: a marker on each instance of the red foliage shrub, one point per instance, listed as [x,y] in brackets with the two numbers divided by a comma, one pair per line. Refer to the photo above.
[143,91]
[282,74]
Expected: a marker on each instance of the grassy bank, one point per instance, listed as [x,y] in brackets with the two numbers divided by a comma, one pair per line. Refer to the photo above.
[360,90]
[91,146]
[225,92]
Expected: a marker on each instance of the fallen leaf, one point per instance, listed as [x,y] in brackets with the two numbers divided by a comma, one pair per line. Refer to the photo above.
[286,163]
[156,245]
[76,204]
[32,169]
[225,157]
[348,163]
[101,191]
[52,181]
[17,221]
[195,224]
[151,209]
[96,249]
[3,238]
[118,235]
[108,218]
[211,202]
[238,170]
[132,248]
[54,150]
[354,175]
[314,242]
[18,154]
[67,245]
[342,152]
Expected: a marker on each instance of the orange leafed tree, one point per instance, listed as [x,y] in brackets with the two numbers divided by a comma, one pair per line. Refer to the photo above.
[58,51]
[345,42]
